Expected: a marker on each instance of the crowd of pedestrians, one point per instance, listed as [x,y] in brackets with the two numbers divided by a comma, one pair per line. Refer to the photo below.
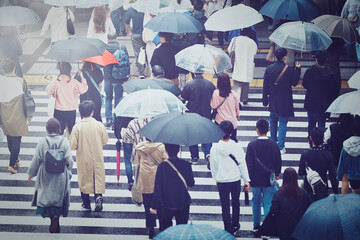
[156,176]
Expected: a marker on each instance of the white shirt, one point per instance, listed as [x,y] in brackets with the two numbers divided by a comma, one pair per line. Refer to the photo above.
[109,28]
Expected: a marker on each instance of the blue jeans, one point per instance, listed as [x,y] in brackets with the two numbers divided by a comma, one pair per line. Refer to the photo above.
[109,89]
[262,195]
[274,119]
[127,159]
[194,150]
[319,118]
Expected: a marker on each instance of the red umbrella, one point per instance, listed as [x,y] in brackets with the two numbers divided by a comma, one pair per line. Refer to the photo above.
[118,148]
[106,59]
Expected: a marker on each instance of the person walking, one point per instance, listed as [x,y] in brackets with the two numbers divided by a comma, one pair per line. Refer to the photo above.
[94,78]
[218,5]
[277,93]
[226,103]
[66,91]
[267,152]
[173,179]
[198,93]
[149,155]
[100,24]
[52,190]
[228,167]
[13,120]
[88,138]
[180,5]
[244,49]
[10,47]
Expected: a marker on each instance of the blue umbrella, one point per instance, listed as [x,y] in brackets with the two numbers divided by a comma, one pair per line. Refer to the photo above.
[291,10]
[335,217]
[194,232]
[174,22]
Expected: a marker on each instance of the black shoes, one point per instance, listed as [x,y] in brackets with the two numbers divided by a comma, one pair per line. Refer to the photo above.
[54,226]
[109,123]
[151,233]
[194,160]
[99,204]
[207,158]
[85,208]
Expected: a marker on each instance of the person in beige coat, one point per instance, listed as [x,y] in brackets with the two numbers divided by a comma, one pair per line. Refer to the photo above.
[149,155]
[88,138]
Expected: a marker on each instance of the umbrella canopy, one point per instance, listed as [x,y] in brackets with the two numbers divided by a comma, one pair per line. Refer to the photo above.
[335,217]
[291,10]
[327,6]
[103,60]
[91,3]
[14,16]
[148,103]
[346,103]
[194,231]
[354,81]
[201,58]
[182,128]
[336,26]
[74,49]
[231,18]
[61,3]
[9,89]
[144,6]
[301,36]
[152,83]
[174,22]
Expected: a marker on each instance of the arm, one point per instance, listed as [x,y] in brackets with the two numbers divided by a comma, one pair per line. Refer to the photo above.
[72,17]
[190,182]
[74,136]
[297,71]
[212,104]
[213,165]
[306,80]
[332,175]
[156,202]
[278,161]
[46,24]
[90,28]
[36,160]
[69,159]
[265,97]
[342,168]
[250,158]
[19,48]
[51,88]
[165,155]
[81,87]
[302,171]
[104,135]
[242,165]
[110,25]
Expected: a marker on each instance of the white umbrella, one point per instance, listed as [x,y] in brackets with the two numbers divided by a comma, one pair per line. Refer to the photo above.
[148,103]
[346,103]
[14,16]
[144,6]
[201,58]
[236,17]
[9,89]
[354,81]
[61,3]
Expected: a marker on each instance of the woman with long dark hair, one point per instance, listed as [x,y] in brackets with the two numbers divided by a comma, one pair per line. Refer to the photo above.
[289,204]
[100,24]
[226,103]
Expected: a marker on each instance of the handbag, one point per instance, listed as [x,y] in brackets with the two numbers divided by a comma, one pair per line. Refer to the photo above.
[29,104]
[69,23]
[271,55]
[214,111]
[272,179]
[96,86]
[51,106]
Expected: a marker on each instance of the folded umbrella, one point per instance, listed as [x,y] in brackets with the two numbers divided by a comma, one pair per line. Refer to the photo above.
[103,60]
[346,103]
[9,89]
[152,83]
[354,81]
[118,158]
[14,16]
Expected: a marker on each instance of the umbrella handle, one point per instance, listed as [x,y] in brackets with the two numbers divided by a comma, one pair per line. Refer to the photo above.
[215,72]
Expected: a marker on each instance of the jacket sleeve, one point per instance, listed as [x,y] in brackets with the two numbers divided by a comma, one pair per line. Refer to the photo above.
[190,181]
[341,170]
[36,160]
[306,79]
[302,171]
[46,24]
[278,162]
[82,87]
[90,28]
[265,97]
[74,136]
[104,135]
[185,94]
[69,159]
[51,88]
[242,166]
[332,176]
[250,160]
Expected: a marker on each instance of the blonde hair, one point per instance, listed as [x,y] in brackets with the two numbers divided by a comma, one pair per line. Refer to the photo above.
[99,18]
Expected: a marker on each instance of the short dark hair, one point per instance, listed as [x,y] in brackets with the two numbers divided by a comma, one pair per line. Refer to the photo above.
[86,108]
[168,36]
[246,32]
[7,65]
[227,127]
[111,36]
[317,136]
[321,57]
[53,126]
[65,68]
[157,70]
[280,53]
[172,149]
[263,126]
[198,5]
[224,85]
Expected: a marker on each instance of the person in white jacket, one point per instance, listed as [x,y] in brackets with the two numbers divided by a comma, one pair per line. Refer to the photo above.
[228,167]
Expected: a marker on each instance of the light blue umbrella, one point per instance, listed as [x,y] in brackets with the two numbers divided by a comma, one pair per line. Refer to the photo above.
[301,36]
[194,232]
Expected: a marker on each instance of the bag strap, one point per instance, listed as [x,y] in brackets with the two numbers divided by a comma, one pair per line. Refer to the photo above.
[220,104]
[233,158]
[224,4]
[156,163]
[67,14]
[93,81]
[280,75]
[261,163]
[179,174]
[48,143]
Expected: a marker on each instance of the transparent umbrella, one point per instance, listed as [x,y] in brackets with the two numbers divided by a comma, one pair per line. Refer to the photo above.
[346,103]
[201,58]
[301,36]
[61,3]
[354,81]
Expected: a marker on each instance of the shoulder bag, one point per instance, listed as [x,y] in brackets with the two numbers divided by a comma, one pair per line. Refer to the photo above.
[69,23]
[214,111]
[29,104]
[278,79]
[96,86]
[247,203]
[179,174]
[272,180]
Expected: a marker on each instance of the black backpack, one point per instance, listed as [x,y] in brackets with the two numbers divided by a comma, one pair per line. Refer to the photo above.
[54,158]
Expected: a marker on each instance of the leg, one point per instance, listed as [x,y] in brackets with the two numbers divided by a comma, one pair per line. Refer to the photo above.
[194,151]
[224,193]
[122,23]
[70,120]
[237,89]
[166,219]
[61,118]
[108,87]
[85,199]
[137,43]
[127,159]
[15,143]
[282,131]
[273,126]
[268,196]
[205,147]
[115,18]
[256,205]
[312,119]
[118,89]
[221,39]
[150,219]
[235,203]
[182,216]
[322,121]
[244,92]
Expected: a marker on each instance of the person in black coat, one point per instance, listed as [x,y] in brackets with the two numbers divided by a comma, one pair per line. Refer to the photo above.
[91,70]
[279,96]
[171,194]
[287,208]
[319,160]
[321,90]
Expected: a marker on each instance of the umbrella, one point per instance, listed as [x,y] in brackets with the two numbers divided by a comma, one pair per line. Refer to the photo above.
[335,217]
[201,58]
[194,231]
[91,3]
[174,22]
[9,89]
[327,6]
[152,83]
[346,103]
[147,103]
[74,49]
[231,18]
[14,16]
[61,3]
[103,60]
[182,129]
[291,9]
[144,6]
[301,36]
[118,158]
[354,81]
[336,26]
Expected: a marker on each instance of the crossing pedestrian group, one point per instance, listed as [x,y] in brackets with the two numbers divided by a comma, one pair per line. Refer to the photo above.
[156,175]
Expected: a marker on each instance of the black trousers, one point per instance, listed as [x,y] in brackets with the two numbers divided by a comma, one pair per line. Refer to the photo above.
[14,149]
[181,216]
[150,219]
[66,119]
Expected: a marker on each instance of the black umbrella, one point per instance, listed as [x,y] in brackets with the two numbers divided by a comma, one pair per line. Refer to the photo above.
[74,49]
[182,129]
[152,83]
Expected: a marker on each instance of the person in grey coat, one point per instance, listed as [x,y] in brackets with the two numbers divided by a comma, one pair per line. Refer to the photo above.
[52,195]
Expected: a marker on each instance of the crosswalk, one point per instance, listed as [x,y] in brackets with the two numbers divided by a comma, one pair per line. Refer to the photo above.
[121,219]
